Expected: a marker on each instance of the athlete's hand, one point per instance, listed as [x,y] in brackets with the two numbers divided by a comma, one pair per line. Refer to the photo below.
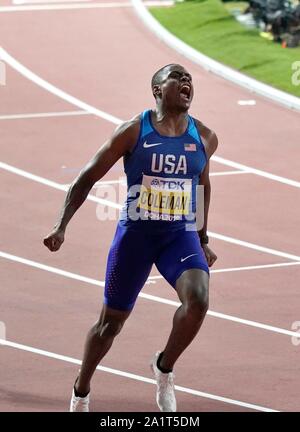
[55,239]
[211,257]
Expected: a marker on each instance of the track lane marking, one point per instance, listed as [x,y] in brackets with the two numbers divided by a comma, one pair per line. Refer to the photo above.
[31,2]
[132,376]
[222,173]
[255,171]
[43,115]
[122,181]
[143,295]
[7,58]
[73,5]
[245,268]
[253,246]
[4,56]
[90,197]
[54,185]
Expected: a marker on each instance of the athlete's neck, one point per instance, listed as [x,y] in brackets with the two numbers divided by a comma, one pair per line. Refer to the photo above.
[169,123]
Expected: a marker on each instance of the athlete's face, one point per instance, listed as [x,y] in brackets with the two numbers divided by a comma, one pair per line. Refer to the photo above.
[176,88]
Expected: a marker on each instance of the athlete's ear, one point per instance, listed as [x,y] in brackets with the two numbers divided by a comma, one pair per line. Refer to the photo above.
[156,91]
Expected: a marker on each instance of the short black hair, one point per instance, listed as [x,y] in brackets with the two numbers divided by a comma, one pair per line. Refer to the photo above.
[157,77]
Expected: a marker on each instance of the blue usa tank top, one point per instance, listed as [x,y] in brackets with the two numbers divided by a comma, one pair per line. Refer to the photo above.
[162,177]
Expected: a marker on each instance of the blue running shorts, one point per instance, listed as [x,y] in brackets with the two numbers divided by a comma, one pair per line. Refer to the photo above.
[132,254]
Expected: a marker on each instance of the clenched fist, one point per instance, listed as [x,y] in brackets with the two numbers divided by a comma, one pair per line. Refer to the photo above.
[54,240]
[211,257]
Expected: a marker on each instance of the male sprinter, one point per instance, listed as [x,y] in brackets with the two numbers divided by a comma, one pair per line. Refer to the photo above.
[166,155]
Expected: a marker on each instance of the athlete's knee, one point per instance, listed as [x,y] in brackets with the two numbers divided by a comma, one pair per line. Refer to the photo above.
[195,298]
[197,304]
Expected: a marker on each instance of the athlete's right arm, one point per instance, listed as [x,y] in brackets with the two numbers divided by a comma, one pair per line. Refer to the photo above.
[121,142]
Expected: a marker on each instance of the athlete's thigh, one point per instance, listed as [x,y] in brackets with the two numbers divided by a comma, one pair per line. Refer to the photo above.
[128,266]
[182,253]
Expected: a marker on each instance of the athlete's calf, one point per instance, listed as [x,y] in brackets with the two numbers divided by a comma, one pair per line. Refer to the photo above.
[98,342]
[192,290]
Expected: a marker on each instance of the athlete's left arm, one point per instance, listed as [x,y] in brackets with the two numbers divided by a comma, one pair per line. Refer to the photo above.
[210,141]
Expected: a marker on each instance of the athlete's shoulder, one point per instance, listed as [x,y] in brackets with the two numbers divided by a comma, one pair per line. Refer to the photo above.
[128,131]
[208,136]
[129,126]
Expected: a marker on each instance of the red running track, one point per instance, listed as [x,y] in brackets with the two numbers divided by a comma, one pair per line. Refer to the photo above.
[106,57]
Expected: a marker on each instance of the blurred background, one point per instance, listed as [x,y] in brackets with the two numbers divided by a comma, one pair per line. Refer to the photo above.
[260,38]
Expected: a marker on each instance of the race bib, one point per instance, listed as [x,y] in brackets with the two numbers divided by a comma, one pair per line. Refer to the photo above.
[167,198]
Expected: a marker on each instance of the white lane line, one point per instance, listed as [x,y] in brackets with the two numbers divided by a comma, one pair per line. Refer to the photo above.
[50,269]
[245,268]
[254,246]
[227,317]
[157,299]
[135,377]
[43,115]
[158,3]
[22,7]
[228,239]
[103,183]
[108,4]
[24,2]
[4,56]
[7,58]
[122,181]
[54,185]
[256,267]
[222,173]
[258,172]
[246,102]
[54,270]
[70,6]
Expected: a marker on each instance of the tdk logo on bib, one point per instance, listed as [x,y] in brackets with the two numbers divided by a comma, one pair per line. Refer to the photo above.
[168,184]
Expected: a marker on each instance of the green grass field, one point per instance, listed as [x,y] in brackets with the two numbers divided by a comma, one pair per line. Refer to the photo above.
[208,26]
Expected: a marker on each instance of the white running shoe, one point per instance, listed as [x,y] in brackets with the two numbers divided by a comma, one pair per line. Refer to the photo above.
[165,396]
[79,404]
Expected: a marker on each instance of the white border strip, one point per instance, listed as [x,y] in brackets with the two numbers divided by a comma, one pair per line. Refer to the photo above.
[129,375]
[72,5]
[50,269]
[31,2]
[254,246]
[123,182]
[211,65]
[54,185]
[54,90]
[222,173]
[143,295]
[244,268]
[258,172]
[109,203]
[43,115]
[56,7]
[7,58]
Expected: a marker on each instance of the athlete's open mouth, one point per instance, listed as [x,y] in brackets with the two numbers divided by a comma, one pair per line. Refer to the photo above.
[185,91]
